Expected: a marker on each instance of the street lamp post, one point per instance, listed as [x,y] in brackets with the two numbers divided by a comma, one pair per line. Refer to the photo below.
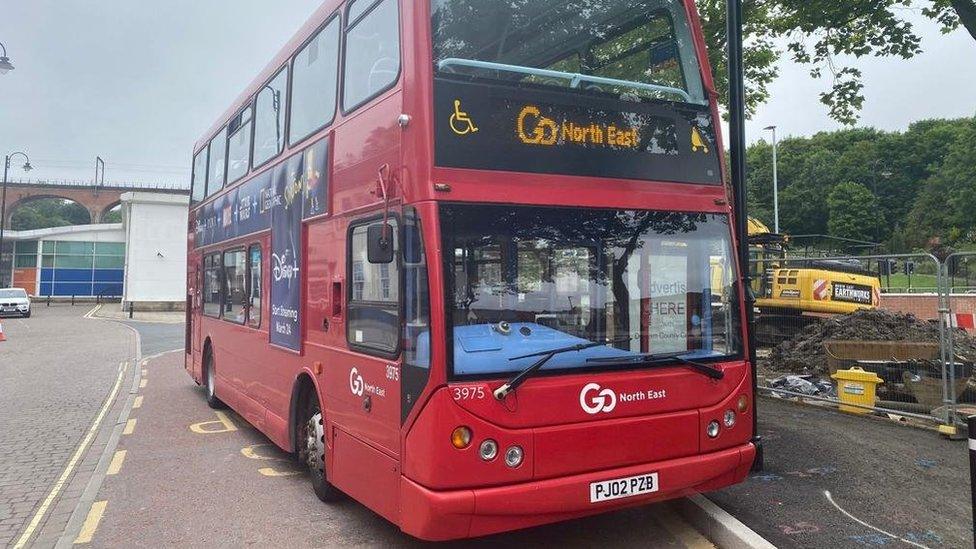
[3,201]
[775,181]
[5,64]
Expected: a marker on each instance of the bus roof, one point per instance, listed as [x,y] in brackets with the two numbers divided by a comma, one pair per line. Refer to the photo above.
[327,8]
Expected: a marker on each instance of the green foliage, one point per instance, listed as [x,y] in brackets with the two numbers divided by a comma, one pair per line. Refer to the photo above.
[113,216]
[48,212]
[921,183]
[816,34]
[853,212]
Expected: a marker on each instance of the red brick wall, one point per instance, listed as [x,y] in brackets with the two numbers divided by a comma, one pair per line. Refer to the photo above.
[926,306]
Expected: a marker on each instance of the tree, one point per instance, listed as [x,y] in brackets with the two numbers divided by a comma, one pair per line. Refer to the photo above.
[854,212]
[816,33]
[946,204]
[48,212]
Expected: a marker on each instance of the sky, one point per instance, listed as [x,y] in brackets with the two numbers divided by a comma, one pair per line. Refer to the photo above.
[138,82]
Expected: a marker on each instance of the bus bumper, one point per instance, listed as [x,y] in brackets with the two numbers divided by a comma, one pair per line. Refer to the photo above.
[438,516]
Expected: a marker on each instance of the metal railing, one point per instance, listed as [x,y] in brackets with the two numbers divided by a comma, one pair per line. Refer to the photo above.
[897,317]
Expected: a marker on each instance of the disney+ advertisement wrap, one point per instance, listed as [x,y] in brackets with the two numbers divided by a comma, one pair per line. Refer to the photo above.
[279,199]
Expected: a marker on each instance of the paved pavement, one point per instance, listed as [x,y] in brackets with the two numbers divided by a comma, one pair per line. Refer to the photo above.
[56,371]
[898,481]
[192,478]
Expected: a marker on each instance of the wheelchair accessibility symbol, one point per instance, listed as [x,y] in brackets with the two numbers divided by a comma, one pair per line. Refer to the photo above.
[461,123]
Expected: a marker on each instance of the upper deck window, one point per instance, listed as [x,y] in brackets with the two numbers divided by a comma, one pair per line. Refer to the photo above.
[218,161]
[632,50]
[372,51]
[200,175]
[239,146]
[314,83]
[269,119]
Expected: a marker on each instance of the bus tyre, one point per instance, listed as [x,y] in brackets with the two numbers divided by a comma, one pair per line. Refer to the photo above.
[210,381]
[312,454]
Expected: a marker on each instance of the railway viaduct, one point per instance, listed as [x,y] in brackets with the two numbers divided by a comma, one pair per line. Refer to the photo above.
[97,199]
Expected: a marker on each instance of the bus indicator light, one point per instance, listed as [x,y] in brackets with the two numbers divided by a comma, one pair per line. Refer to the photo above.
[461,438]
[743,404]
[712,429]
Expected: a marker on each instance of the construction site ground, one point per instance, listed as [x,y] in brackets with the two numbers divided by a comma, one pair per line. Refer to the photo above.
[836,480]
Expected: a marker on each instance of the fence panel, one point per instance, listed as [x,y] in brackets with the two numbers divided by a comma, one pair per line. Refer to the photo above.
[832,329]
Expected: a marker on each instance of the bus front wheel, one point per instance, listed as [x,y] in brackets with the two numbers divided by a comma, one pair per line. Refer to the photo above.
[312,453]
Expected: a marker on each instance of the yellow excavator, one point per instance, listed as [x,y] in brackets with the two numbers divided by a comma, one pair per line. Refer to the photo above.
[792,294]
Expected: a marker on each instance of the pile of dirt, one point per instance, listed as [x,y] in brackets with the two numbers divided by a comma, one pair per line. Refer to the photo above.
[805,354]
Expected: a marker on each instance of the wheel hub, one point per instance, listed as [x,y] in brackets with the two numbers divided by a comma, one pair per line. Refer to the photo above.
[315,443]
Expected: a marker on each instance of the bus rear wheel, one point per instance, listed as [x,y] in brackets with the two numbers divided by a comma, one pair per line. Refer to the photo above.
[210,381]
[312,452]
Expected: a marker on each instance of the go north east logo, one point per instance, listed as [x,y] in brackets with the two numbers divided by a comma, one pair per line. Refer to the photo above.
[595,399]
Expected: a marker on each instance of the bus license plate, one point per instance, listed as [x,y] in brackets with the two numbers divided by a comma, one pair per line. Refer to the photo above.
[606,490]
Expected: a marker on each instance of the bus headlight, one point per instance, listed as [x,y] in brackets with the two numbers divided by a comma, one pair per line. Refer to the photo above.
[461,437]
[712,429]
[513,456]
[729,419]
[488,450]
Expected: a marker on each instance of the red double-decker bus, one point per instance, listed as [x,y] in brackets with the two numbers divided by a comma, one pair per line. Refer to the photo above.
[472,261]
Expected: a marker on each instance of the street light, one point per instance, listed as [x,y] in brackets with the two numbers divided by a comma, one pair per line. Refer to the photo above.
[3,200]
[5,64]
[775,181]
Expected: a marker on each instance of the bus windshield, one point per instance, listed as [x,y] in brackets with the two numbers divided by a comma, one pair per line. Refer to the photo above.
[630,50]
[529,279]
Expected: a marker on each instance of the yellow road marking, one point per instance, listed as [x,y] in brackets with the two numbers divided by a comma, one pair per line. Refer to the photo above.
[72,463]
[143,383]
[272,472]
[130,426]
[144,373]
[116,465]
[226,425]
[251,453]
[686,535]
[137,403]
[91,522]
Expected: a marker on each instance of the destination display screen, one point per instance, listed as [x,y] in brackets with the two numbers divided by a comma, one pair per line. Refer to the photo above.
[541,131]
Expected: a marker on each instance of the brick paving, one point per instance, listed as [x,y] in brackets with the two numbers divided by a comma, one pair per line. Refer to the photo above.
[57,370]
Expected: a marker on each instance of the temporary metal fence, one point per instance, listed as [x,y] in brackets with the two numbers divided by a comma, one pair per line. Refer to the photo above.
[810,338]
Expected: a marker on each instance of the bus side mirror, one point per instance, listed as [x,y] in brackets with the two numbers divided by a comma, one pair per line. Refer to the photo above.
[379,243]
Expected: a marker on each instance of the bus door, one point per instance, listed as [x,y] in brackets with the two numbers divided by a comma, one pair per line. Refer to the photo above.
[367,441]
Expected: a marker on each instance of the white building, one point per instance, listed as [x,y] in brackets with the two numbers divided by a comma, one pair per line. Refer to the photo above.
[155,254]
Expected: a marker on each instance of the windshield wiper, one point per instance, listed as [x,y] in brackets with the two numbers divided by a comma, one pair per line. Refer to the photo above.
[661,359]
[519,378]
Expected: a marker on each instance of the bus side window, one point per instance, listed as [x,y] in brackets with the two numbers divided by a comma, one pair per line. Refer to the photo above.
[374,296]
[235,280]
[212,275]
[314,83]
[372,51]
[254,286]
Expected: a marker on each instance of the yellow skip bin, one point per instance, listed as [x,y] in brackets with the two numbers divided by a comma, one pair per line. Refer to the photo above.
[855,386]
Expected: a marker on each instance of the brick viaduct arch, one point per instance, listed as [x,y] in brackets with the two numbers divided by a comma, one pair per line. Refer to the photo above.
[97,200]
